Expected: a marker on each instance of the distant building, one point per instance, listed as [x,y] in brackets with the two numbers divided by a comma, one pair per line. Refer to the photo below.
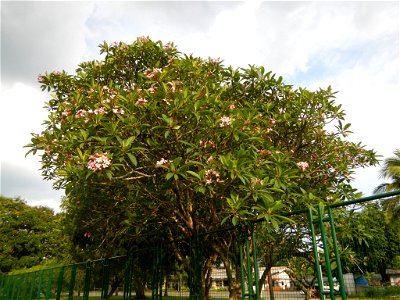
[280,278]
[394,275]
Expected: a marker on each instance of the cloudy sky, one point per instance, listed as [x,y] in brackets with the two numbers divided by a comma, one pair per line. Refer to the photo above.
[352,46]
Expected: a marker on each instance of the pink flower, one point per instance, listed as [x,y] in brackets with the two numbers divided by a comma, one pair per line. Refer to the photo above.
[66,112]
[167,47]
[171,86]
[163,162]
[152,90]
[211,175]
[98,161]
[257,181]
[211,158]
[141,102]
[80,113]
[302,165]
[153,73]
[225,121]
[99,111]
[118,110]
[232,106]
[166,101]
[143,39]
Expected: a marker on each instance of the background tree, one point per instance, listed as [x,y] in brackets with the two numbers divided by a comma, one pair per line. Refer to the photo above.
[391,170]
[369,243]
[29,235]
[176,145]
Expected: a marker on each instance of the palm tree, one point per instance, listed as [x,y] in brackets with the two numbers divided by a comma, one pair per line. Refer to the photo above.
[390,170]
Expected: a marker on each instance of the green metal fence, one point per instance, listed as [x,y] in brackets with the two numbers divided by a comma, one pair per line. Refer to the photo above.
[299,259]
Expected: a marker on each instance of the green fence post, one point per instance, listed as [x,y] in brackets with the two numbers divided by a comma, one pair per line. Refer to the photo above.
[18,287]
[105,279]
[88,273]
[337,255]
[13,286]
[256,276]
[194,273]
[32,285]
[197,268]
[72,282]
[244,249]
[49,283]
[39,285]
[315,252]
[157,274]
[326,254]
[60,282]
[249,276]
[25,285]
[242,277]
[128,278]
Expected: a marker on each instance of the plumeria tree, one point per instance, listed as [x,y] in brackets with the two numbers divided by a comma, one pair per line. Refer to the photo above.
[183,144]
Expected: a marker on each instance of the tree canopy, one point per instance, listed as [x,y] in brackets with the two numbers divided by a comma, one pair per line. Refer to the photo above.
[29,235]
[149,142]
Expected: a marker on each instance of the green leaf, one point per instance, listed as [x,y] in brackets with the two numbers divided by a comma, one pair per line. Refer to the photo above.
[234,220]
[132,159]
[194,174]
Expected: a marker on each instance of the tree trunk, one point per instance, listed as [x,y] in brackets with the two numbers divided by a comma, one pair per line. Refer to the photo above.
[140,287]
[114,285]
[166,287]
[270,285]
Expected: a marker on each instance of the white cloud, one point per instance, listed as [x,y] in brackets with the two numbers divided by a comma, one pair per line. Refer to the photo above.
[22,113]
[41,36]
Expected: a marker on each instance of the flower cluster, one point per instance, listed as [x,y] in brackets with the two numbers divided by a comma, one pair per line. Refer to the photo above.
[152,90]
[205,144]
[225,121]
[100,111]
[81,113]
[163,162]
[152,74]
[257,181]
[98,161]
[264,152]
[212,175]
[168,47]
[118,110]
[302,165]
[141,102]
[66,112]
[143,39]
[40,78]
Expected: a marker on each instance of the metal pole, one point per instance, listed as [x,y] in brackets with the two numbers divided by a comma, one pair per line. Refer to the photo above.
[88,273]
[326,255]
[337,255]
[256,275]
[72,282]
[315,251]
[105,279]
[241,245]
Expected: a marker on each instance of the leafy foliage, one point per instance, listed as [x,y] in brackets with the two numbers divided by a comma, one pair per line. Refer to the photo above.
[29,235]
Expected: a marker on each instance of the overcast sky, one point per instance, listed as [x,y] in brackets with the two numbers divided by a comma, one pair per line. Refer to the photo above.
[352,46]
